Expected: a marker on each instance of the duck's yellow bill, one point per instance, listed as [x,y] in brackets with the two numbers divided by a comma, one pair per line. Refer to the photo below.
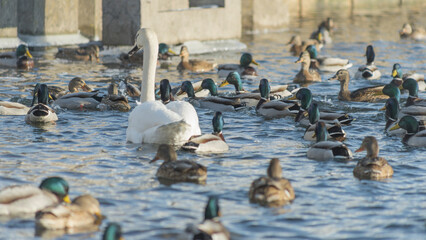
[254,62]
[172,52]
[28,54]
[395,127]
[224,83]
[383,108]
[394,73]
[67,199]
[293,97]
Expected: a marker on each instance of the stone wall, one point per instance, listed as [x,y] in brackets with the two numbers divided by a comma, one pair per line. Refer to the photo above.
[90,18]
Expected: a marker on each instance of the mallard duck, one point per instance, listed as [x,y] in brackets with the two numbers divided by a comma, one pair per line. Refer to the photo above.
[182,170]
[193,65]
[212,102]
[74,86]
[115,101]
[414,107]
[112,232]
[128,88]
[323,33]
[245,60]
[372,166]
[392,111]
[297,46]
[21,58]
[209,143]
[326,64]
[368,71]
[87,53]
[408,32]
[334,130]
[164,53]
[40,112]
[397,73]
[27,199]
[211,227]
[272,190]
[326,150]
[79,101]
[413,98]
[367,94]
[82,212]
[272,109]
[414,136]
[305,97]
[13,108]
[306,74]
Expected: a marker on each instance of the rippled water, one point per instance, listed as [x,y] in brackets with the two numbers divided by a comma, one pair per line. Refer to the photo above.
[89,150]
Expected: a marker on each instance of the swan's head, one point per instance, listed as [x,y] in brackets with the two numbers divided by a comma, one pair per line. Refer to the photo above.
[143,36]
[165,152]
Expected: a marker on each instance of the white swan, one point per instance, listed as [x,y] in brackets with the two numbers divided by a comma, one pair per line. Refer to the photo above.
[152,121]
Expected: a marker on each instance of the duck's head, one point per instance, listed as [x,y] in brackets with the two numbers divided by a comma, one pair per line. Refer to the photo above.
[78,83]
[246,59]
[41,94]
[369,53]
[305,97]
[112,232]
[144,36]
[22,50]
[164,49]
[304,58]
[187,88]
[113,89]
[392,91]
[295,39]
[57,186]
[412,86]
[89,204]
[392,108]
[406,29]
[209,84]
[184,53]
[312,51]
[370,145]
[408,123]
[342,75]
[313,113]
[274,169]
[165,91]
[234,79]
[396,71]
[264,88]
[165,152]
[217,122]
[212,208]
[320,131]
[328,24]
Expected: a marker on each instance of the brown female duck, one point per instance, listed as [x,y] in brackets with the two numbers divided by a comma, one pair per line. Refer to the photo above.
[193,65]
[306,74]
[88,53]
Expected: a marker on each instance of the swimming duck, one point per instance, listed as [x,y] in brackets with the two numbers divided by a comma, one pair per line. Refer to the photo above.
[82,212]
[272,109]
[326,150]
[245,60]
[27,199]
[193,65]
[128,88]
[13,108]
[272,190]
[40,112]
[334,130]
[368,71]
[212,102]
[21,58]
[86,53]
[367,94]
[112,232]
[414,136]
[164,53]
[408,32]
[211,227]
[209,143]
[115,101]
[413,98]
[413,106]
[306,74]
[79,101]
[372,166]
[420,78]
[305,97]
[324,31]
[177,171]
[326,64]
[297,46]
[74,85]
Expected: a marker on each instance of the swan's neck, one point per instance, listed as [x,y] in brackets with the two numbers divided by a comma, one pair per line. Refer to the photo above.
[150,44]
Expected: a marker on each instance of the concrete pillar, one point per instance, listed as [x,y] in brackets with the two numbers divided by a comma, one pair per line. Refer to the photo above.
[9,24]
[90,18]
[260,15]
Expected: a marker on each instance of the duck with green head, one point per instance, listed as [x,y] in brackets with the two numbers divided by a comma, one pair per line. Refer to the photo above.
[326,64]
[417,109]
[323,33]
[397,73]
[367,94]
[40,112]
[209,143]
[369,71]
[272,190]
[372,166]
[28,199]
[112,232]
[244,68]
[413,98]
[89,53]
[304,95]
[415,136]
[327,150]
[193,65]
[21,58]
[306,75]
[178,171]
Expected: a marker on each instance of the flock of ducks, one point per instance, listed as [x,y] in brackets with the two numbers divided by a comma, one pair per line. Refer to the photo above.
[174,123]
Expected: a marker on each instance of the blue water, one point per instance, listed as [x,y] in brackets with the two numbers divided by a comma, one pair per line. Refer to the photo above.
[89,150]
